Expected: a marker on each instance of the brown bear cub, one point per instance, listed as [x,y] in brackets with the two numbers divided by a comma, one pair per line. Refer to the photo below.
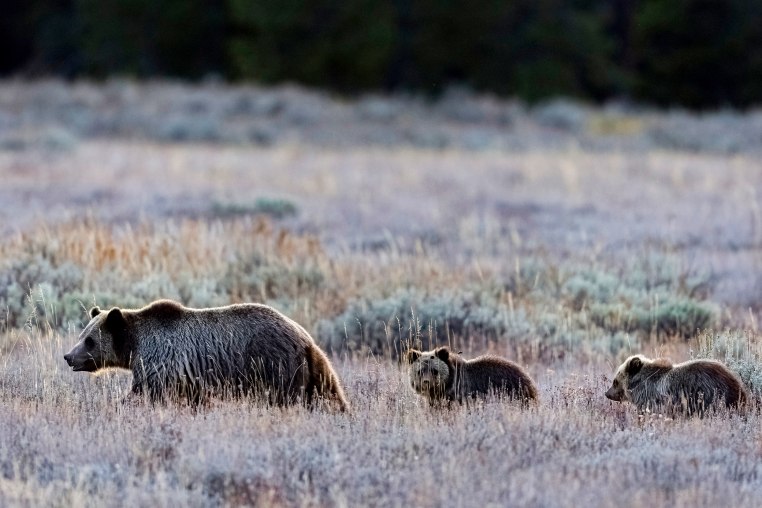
[177,352]
[689,388]
[441,375]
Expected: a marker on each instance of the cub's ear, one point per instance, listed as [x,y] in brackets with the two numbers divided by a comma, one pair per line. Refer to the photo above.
[443,353]
[413,355]
[94,312]
[634,366]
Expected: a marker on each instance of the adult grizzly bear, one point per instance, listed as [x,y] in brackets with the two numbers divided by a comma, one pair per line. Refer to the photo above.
[174,351]
[688,388]
[443,375]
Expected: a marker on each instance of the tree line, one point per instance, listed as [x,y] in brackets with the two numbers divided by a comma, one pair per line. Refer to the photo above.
[694,53]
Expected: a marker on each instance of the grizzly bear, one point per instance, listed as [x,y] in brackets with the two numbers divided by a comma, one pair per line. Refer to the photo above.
[175,351]
[441,375]
[689,388]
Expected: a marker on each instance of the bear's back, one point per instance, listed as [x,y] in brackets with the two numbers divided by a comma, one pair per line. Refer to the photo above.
[237,345]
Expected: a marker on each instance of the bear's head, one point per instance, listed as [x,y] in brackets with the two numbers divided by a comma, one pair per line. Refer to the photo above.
[102,344]
[431,371]
[620,387]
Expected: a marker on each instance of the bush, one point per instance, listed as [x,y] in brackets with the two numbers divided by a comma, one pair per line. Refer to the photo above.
[390,325]
[30,288]
[561,114]
[673,317]
[53,277]
[260,278]
[680,317]
[185,128]
[471,319]
[652,296]
[274,207]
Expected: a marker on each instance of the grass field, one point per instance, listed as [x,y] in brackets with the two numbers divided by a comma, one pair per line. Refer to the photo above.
[566,240]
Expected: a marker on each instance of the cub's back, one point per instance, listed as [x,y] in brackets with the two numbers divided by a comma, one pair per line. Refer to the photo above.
[490,372]
[710,378]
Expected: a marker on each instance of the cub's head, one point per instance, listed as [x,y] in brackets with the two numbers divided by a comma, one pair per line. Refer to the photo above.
[102,344]
[431,372]
[620,387]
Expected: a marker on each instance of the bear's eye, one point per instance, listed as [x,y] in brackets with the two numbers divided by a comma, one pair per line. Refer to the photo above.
[89,343]
[616,382]
[434,371]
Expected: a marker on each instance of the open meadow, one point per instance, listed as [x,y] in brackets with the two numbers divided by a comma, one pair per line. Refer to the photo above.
[561,236]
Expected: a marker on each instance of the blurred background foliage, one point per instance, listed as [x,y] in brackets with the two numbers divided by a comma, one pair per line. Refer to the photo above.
[694,53]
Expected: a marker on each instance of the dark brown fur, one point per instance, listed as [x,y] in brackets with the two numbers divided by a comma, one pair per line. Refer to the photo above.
[442,374]
[176,351]
[689,387]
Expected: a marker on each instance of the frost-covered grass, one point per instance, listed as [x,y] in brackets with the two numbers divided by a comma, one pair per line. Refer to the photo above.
[66,439]
[563,237]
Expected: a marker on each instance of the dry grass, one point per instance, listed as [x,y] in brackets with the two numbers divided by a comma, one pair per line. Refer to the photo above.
[67,440]
[565,260]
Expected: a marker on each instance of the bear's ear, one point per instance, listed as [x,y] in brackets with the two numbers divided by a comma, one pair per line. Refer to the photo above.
[94,312]
[443,353]
[115,320]
[413,355]
[116,325]
[634,366]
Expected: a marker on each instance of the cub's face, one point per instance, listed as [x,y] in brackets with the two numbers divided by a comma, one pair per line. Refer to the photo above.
[96,348]
[429,371]
[619,390]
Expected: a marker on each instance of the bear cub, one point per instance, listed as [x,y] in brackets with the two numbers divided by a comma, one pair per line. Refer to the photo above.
[690,387]
[442,375]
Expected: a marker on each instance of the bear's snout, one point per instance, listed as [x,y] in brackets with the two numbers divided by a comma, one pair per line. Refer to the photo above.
[613,395]
[79,361]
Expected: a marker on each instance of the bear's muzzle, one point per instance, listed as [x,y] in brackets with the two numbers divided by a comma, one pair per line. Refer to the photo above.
[79,364]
